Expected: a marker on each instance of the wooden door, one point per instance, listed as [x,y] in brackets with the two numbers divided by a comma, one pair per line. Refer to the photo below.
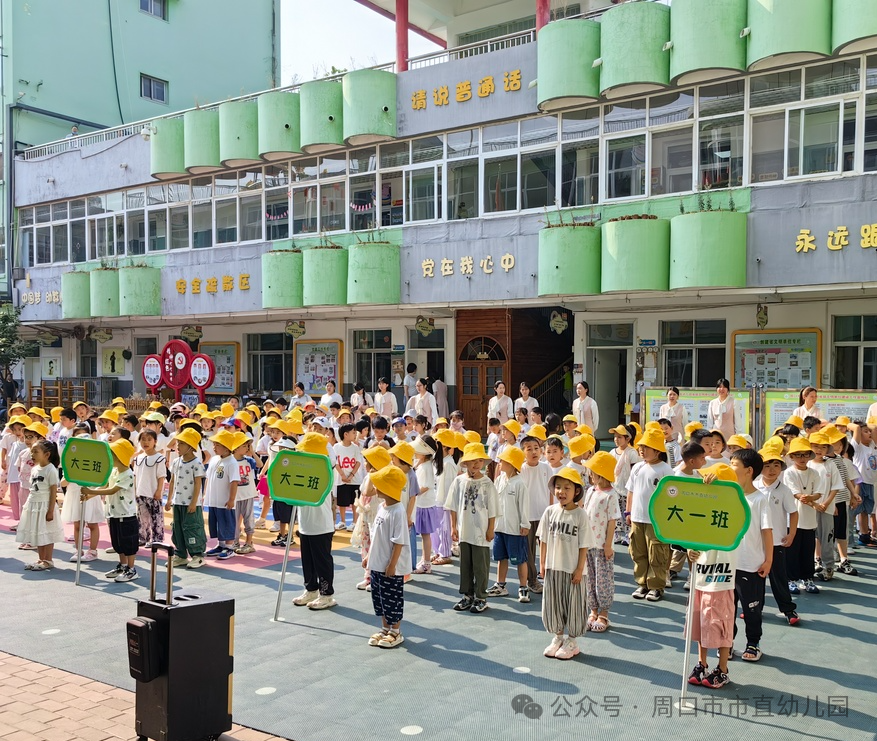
[482,363]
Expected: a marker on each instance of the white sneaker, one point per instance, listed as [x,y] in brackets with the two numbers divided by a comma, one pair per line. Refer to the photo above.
[340,526]
[322,602]
[569,649]
[74,557]
[196,563]
[275,528]
[363,585]
[260,524]
[179,561]
[305,597]
[553,647]
[89,556]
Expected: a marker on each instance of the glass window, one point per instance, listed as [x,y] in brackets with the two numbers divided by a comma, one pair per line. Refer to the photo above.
[145,346]
[120,234]
[158,8]
[26,246]
[720,148]
[617,117]
[99,235]
[77,208]
[77,241]
[537,131]
[26,218]
[499,137]
[372,339]
[250,179]
[226,221]
[60,243]
[580,173]
[463,143]
[869,328]
[202,188]
[277,214]
[813,140]
[43,214]
[177,193]
[695,365]
[610,335]
[767,147]
[847,329]
[156,194]
[394,155]
[776,88]
[709,332]
[462,189]
[538,178]
[428,149]
[435,340]
[363,160]
[179,217]
[333,207]
[59,211]
[850,127]
[392,198]
[871,133]
[333,165]
[723,97]
[202,225]
[625,167]
[157,230]
[501,184]
[136,233]
[421,188]
[250,218]
[834,78]
[362,202]
[277,175]
[88,358]
[677,333]
[671,108]
[671,161]
[304,210]
[580,124]
[44,245]
[225,184]
[97,205]
[153,89]
[871,72]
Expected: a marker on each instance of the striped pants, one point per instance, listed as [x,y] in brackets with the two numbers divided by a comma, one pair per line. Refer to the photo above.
[601,580]
[564,609]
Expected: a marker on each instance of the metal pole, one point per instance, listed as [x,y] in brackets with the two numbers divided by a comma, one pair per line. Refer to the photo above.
[80,539]
[401,36]
[285,562]
[687,650]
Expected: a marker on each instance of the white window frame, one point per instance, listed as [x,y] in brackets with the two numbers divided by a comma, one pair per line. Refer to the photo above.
[153,82]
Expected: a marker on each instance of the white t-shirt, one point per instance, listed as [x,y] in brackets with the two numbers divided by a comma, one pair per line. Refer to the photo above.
[410,385]
[221,473]
[643,481]
[565,532]
[865,458]
[426,481]
[780,504]
[42,479]
[493,445]
[246,481]
[122,503]
[184,479]
[715,571]
[805,483]
[626,460]
[12,454]
[831,481]
[390,528]
[148,471]
[475,502]
[530,404]
[601,506]
[539,497]
[317,520]
[327,399]
[750,552]
[347,456]
[450,469]
[803,412]
[263,445]
[514,507]
[678,472]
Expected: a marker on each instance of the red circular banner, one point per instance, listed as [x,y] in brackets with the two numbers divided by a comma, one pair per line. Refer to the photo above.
[152,371]
[202,371]
[176,361]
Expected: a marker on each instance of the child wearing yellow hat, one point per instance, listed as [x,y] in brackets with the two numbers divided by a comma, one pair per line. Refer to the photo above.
[375,458]
[807,487]
[626,458]
[37,529]
[826,551]
[450,454]
[184,497]
[601,506]
[150,476]
[472,502]
[220,488]
[512,524]
[388,561]
[536,474]
[564,539]
[121,508]
[865,458]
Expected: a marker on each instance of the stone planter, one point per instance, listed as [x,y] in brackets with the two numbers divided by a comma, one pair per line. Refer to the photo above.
[324,277]
[139,291]
[374,273]
[569,261]
[282,279]
[636,255]
[104,292]
[708,249]
[76,295]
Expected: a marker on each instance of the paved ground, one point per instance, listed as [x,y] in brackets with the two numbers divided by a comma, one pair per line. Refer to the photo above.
[312,677]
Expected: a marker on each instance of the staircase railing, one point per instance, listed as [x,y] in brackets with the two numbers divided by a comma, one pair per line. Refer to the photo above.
[549,390]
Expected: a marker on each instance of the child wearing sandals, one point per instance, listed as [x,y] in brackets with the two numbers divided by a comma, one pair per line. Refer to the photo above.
[512,524]
[564,539]
[428,515]
[601,505]
[443,544]
[40,519]
[376,458]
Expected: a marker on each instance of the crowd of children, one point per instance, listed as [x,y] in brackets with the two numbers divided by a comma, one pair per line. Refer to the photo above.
[539,497]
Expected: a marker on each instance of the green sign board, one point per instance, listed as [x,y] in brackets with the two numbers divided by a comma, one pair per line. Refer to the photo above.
[87,462]
[300,479]
[701,516]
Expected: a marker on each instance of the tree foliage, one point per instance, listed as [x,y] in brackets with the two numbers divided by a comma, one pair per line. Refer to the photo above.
[13,349]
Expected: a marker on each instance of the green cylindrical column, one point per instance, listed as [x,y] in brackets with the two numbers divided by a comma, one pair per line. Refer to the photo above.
[374,273]
[167,157]
[104,292]
[369,97]
[201,141]
[139,291]
[239,133]
[785,32]
[282,279]
[853,26]
[632,38]
[636,255]
[279,126]
[322,116]
[706,39]
[566,51]
[708,249]
[76,295]
[324,276]
[569,260]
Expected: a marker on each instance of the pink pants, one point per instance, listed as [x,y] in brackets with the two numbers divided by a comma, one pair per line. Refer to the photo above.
[441,538]
[16,500]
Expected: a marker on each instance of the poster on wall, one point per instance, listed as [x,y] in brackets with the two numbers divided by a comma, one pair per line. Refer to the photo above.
[226,357]
[318,362]
[112,362]
[51,366]
[696,403]
[777,358]
[779,405]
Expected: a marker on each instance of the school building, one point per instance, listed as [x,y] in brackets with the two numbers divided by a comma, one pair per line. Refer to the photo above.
[653,193]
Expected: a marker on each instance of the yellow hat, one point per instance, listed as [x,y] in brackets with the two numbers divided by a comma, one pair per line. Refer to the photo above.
[460,441]
[253,409]
[637,427]
[584,430]
[512,455]
[620,430]
[692,427]
[244,416]
[770,453]
[653,439]
[834,434]
[39,428]
[571,418]
[653,425]
[871,421]
[19,405]
[120,410]
[446,437]
[189,436]
[538,431]
[513,426]
[404,452]
[371,410]
[472,436]
[200,408]
[227,410]
[123,450]
[819,438]
[295,413]
[293,427]
[722,471]
[313,442]
[581,444]
[152,405]
[795,420]
[439,421]
[225,438]
[389,481]
[774,443]
[377,456]
[800,445]
[110,416]
[570,474]
[118,400]
[603,464]
[842,420]
[474,452]
[739,441]
[240,438]
[21,419]
[38,411]
[56,413]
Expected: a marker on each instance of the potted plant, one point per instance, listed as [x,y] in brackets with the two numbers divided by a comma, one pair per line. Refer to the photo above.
[324,274]
[282,276]
[374,271]
[569,256]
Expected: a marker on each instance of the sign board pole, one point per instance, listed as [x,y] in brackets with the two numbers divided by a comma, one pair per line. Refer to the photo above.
[79,541]
[283,570]
[686,654]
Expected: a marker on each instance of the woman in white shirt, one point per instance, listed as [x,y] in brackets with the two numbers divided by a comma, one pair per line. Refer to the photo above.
[385,400]
[500,406]
[423,403]
[299,398]
[360,400]
[808,406]
[330,395]
[584,408]
[674,412]
[525,401]
[720,414]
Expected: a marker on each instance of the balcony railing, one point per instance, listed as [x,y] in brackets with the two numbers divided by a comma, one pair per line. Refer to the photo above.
[470,50]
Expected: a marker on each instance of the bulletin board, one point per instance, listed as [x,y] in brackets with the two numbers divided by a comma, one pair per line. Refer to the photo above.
[696,402]
[317,362]
[779,404]
[226,358]
[777,358]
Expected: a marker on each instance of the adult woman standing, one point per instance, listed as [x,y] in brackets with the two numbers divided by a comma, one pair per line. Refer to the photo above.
[423,402]
[500,405]
[674,412]
[584,408]
[330,395]
[525,401]
[385,400]
[720,414]
[299,398]
[808,406]
[360,400]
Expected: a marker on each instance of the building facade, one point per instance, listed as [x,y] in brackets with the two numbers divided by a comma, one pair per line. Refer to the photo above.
[664,195]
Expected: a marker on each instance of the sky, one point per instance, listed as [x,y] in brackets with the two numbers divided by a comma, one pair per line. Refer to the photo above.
[317,34]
